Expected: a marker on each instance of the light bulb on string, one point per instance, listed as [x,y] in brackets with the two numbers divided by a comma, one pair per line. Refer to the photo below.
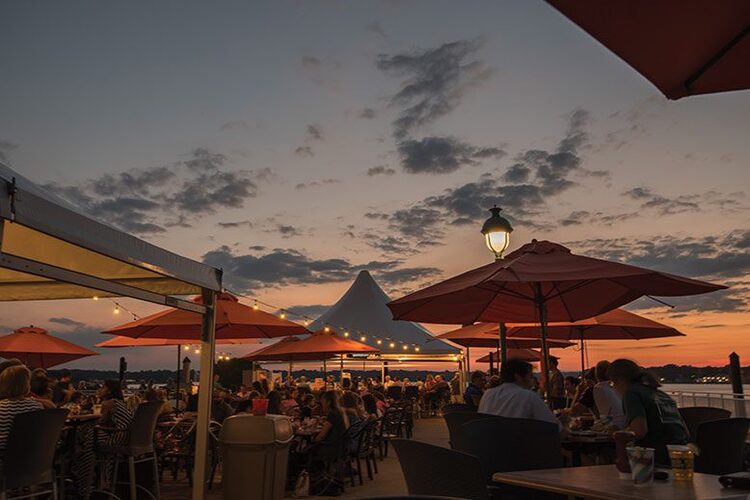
[405,347]
[95,297]
[380,341]
[346,334]
[255,306]
[416,349]
[362,338]
[392,345]
[186,348]
[116,310]
[328,329]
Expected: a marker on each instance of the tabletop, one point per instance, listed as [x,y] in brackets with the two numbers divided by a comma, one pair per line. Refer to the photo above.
[85,417]
[604,482]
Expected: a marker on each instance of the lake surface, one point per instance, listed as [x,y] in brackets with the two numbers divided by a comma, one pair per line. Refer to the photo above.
[712,388]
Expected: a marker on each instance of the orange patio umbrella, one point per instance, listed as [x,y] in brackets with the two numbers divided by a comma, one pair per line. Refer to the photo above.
[321,345]
[525,354]
[233,321]
[617,324]
[121,341]
[37,349]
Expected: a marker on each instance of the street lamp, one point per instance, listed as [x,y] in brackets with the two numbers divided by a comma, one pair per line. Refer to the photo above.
[496,231]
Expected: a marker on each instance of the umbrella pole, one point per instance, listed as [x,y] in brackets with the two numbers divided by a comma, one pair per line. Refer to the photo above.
[325,376]
[205,396]
[179,372]
[503,343]
[545,347]
[492,364]
[583,354]
[468,360]
[341,371]
[289,377]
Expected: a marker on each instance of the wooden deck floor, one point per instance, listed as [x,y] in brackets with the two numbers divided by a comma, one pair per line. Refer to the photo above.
[389,481]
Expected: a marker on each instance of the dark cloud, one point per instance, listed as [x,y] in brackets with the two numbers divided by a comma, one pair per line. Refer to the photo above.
[304,151]
[517,174]
[5,148]
[663,205]
[287,231]
[314,132]
[323,182]
[282,267]
[229,225]
[435,82]
[380,170]
[367,113]
[312,311]
[441,155]
[417,222]
[580,217]
[376,28]
[148,200]
[67,322]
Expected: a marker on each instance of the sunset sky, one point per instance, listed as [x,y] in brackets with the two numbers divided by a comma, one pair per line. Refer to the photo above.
[296,143]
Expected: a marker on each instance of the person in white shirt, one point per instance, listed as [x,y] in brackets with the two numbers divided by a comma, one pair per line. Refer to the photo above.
[514,397]
[607,400]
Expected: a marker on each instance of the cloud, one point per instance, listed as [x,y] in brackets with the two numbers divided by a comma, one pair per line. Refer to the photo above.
[235,125]
[580,217]
[322,182]
[380,170]
[315,132]
[147,200]
[67,322]
[234,224]
[304,151]
[366,113]
[312,311]
[442,155]
[318,69]
[287,231]
[5,148]
[663,205]
[282,267]
[435,81]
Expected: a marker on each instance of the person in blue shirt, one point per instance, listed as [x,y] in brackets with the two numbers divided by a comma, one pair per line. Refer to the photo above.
[475,389]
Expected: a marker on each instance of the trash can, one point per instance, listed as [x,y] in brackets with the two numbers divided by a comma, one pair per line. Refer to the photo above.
[255,452]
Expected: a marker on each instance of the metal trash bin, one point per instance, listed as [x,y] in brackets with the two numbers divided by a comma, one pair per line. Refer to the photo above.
[255,452]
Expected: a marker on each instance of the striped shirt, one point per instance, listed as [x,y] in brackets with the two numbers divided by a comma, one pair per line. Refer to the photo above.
[9,408]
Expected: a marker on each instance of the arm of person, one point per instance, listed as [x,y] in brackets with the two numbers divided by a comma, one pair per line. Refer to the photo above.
[105,412]
[635,414]
[327,426]
[540,411]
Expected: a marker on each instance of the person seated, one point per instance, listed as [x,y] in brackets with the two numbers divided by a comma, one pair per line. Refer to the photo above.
[306,407]
[334,427]
[649,412]
[115,413]
[40,388]
[133,401]
[289,402]
[514,397]
[74,402]
[352,405]
[370,406]
[475,389]
[274,403]
[15,386]
[570,385]
[220,409]
[62,390]
[583,401]
[607,401]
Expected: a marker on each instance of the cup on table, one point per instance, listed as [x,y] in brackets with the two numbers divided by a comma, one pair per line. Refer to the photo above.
[623,439]
[641,464]
[682,459]
[97,409]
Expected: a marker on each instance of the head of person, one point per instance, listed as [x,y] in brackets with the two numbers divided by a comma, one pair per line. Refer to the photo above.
[369,403]
[8,363]
[76,398]
[439,378]
[346,383]
[601,369]
[478,378]
[553,362]
[330,402]
[192,403]
[589,376]
[15,382]
[40,384]
[387,378]
[623,373]
[350,401]
[570,383]
[274,402]
[245,406]
[110,389]
[517,371]
[494,381]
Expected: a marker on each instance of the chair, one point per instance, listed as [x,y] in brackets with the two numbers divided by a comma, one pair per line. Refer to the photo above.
[29,456]
[693,416]
[139,447]
[437,471]
[364,449]
[451,407]
[394,392]
[391,427]
[509,444]
[721,444]
[455,421]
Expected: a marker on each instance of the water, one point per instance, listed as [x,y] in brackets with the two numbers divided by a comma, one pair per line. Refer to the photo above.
[712,388]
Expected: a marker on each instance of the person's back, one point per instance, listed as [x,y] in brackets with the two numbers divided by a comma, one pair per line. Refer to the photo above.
[14,390]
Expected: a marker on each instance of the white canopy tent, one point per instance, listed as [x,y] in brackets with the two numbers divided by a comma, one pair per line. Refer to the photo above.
[363,309]
[51,250]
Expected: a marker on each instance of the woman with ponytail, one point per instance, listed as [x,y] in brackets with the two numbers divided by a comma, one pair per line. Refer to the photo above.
[649,412]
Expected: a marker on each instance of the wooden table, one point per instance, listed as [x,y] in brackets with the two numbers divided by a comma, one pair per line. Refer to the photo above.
[577,444]
[603,482]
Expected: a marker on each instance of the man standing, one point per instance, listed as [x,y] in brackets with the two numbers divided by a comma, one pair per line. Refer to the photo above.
[556,385]
[475,389]
[63,389]
[514,397]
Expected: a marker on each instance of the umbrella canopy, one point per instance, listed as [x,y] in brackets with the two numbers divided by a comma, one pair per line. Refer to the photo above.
[268,353]
[233,321]
[524,354]
[612,325]
[318,346]
[540,279]
[37,349]
[121,341]
[683,47]
[486,335]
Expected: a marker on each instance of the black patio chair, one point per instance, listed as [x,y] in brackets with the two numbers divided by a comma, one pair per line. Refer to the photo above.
[451,407]
[455,421]
[693,416]
[721,444]
[437,471]
[364,449]
[394,392]
[510,444]
[138,448]
[28,461]
[391,427]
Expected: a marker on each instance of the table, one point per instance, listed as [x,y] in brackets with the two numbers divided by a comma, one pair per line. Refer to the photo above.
[603,482]
[599,443]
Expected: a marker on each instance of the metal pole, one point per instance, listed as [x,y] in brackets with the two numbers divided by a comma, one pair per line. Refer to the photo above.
[289,376]
[545,348]
[503,343]
[492,365]
[735,374]
[205,396]
[179,372]
[341,371]
[583,354]
[468,361]
[325,376]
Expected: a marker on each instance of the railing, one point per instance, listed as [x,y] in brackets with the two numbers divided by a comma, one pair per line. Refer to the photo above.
[738,404]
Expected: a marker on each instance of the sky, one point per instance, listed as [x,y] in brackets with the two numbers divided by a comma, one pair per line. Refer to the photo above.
[296,143]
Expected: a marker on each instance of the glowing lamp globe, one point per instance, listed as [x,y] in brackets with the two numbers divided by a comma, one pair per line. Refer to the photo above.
[496,231]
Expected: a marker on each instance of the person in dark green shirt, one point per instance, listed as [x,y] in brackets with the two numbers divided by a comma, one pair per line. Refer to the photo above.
[650,413]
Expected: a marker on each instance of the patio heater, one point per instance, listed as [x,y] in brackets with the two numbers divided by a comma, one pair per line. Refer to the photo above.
[496,231]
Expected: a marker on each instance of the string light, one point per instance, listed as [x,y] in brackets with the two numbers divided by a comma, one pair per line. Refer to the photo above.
[416,348]
[405,347]
[362,338]
[346,334]
[95,297]
[117,310]
[380,342]
[328,329]
[197,351]
[186,348]
[392,345]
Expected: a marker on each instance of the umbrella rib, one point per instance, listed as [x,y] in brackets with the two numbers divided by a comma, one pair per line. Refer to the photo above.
[716,58]
[562,301]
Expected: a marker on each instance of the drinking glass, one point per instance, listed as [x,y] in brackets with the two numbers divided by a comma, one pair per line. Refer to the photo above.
[683,462]
[641,464]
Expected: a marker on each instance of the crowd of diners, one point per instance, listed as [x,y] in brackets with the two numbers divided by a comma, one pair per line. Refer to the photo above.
[620,394]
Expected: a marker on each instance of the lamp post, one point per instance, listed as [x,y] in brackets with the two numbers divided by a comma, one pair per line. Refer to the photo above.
[496,231]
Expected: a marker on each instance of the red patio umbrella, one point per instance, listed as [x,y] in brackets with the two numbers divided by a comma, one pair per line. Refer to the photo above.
[234,320]
[617,324]
[121,341]
[540,282]
[525,354]
[683,47]
[37,349]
